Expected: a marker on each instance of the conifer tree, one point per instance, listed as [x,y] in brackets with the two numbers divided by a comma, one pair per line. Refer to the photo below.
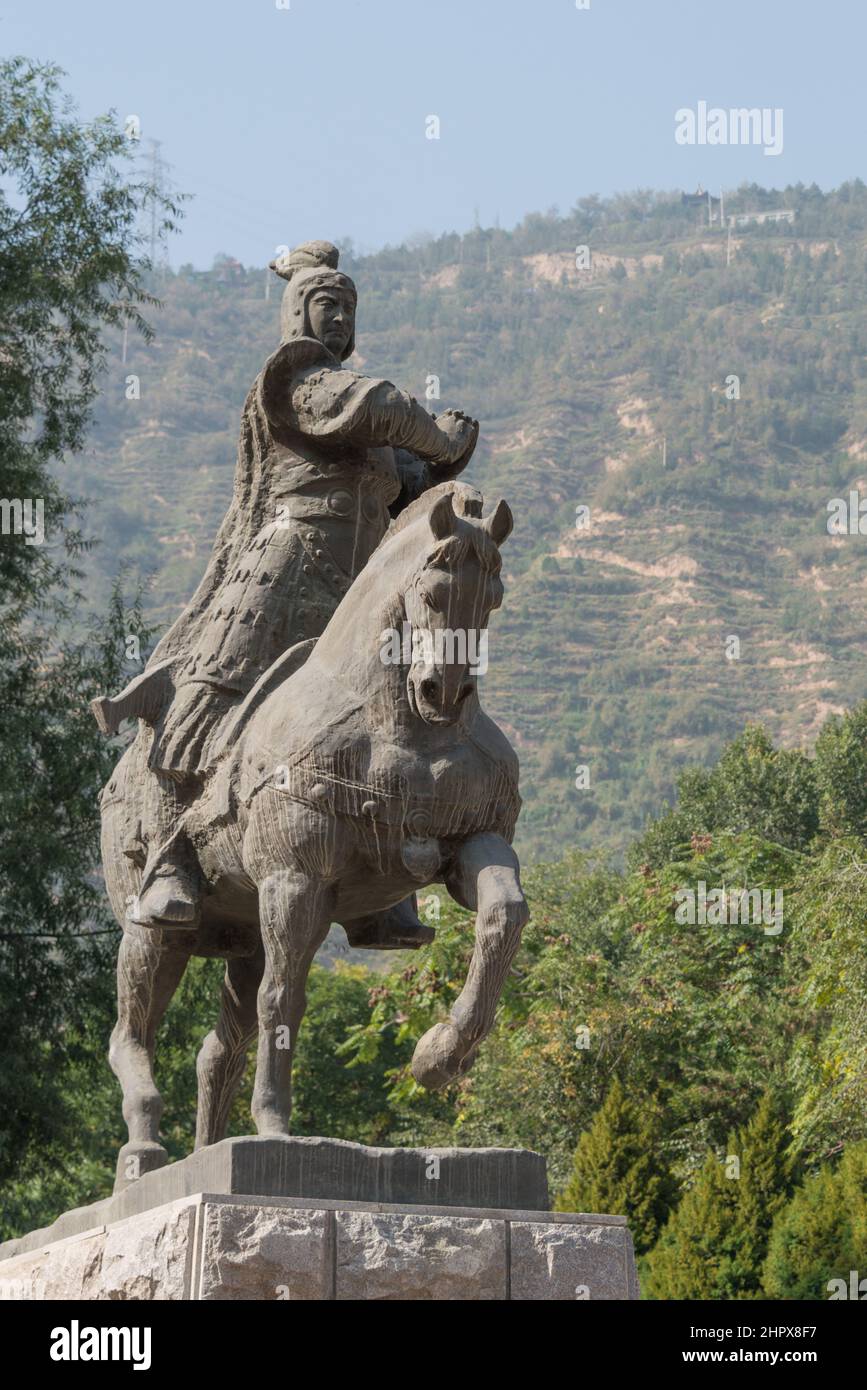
[619,1169]
[820,1236]
[715,1243]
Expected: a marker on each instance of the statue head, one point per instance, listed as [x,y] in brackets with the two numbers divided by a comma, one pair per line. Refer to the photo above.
[448,602]
[319,300]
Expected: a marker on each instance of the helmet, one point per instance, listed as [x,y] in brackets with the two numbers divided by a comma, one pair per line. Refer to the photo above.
[307,269]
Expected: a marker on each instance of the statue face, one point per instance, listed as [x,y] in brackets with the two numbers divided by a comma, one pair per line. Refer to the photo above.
[331,313]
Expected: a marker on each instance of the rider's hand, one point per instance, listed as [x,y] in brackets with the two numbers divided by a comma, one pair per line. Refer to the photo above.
[461,434]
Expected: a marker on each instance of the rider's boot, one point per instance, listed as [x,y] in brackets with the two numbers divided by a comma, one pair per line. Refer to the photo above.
[169,892]
[169,899]
[398,928]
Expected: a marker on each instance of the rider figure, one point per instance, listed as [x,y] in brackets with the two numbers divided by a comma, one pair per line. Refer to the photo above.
[325,458]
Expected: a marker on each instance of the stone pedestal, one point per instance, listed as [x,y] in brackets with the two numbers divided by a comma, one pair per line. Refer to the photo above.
[152,1243]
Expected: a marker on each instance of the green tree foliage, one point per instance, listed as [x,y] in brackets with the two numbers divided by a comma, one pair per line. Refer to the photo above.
[606,982]
[715,1243]
[828,1058]
[620,1168]
[841,773]
[693,1255]
[693,985]
[329,1095]
[68,272]
[821,1235]
[57,944]
[754,787]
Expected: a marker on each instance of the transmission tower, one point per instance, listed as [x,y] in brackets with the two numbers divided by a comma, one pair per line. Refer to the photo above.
[160,188]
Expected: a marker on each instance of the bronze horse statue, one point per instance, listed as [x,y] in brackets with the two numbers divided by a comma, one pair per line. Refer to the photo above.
[345,783]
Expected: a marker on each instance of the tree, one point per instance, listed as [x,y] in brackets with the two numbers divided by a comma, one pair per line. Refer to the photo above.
[68,270]
[689,1260]
[620,1169]
[715,1243]
[821,1235]
[827,1066]
[330,1096]
[753,788]
[841,773]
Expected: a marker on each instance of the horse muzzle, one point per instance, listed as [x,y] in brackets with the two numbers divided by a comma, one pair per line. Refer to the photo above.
[438,698]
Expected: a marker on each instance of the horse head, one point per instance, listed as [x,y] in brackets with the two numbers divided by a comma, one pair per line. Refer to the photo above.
[410,636]
[447,603]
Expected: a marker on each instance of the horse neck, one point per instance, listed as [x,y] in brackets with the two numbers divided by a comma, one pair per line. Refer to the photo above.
[349,648]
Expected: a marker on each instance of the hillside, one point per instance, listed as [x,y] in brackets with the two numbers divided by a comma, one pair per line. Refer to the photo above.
[603,388]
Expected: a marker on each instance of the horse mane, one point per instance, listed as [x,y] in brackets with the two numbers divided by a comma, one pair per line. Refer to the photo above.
[467,502]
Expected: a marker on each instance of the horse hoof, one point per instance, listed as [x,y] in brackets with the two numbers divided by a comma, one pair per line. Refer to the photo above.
[438,1057]
[136,1159]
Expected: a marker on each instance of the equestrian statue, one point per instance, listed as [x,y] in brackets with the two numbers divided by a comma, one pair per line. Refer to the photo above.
[292,768]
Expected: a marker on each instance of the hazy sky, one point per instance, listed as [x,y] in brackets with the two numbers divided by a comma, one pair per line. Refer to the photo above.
[310,121]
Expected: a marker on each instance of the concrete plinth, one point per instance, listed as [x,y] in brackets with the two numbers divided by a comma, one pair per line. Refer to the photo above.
[158,1240]
[213,1247]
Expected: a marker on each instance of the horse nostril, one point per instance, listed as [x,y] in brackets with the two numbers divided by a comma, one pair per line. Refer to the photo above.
[465,691]
[429,689]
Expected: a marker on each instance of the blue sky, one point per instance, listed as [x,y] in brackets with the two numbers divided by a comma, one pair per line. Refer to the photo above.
[309,121]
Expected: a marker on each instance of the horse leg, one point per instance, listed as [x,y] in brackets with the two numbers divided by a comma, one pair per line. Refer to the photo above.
[294,914]
[148,973]
[483,876]
[220,1064]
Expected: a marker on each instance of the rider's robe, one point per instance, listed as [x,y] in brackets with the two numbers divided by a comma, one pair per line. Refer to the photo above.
[325,457]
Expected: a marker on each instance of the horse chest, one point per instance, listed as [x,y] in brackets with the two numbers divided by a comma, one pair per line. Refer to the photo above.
[408,829]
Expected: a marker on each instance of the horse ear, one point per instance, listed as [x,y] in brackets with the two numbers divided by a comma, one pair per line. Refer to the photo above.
[499,524]
[442,517]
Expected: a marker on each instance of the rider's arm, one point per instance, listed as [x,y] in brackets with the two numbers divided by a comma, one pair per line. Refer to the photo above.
[340,406]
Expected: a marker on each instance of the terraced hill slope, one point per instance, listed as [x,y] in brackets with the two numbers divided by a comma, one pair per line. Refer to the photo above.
[610,389]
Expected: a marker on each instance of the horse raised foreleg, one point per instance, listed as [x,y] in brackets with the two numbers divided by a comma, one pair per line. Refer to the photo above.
[148,973]
[484,876]
[220,1064]
[295,914]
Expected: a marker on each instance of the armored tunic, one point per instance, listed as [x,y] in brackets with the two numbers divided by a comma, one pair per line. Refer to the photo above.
[313,488]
